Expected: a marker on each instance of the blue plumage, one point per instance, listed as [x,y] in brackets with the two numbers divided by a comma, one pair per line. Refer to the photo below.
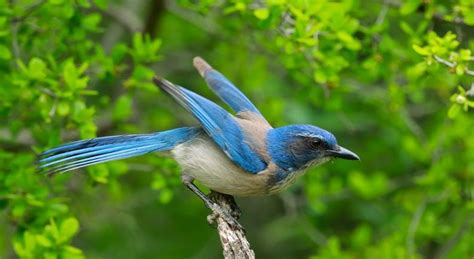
[237,155]
[224,89]
[98,150]
[229,93]
[220,126]
[290,146]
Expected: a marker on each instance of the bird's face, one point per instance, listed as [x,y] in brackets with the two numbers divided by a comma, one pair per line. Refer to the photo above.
[297,147]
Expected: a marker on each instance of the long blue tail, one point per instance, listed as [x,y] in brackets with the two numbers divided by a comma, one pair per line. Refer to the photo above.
[98,150]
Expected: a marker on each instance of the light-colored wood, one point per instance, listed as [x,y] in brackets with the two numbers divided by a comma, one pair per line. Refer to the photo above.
[232,236]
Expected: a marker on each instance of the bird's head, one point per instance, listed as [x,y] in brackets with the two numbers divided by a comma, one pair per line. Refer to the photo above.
[297,147]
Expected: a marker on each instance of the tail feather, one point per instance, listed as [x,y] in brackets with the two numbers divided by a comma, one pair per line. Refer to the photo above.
[76,164]
[98,150]
[85,153]
[100,141]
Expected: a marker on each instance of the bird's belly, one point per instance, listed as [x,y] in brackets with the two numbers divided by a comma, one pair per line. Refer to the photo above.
[201,159]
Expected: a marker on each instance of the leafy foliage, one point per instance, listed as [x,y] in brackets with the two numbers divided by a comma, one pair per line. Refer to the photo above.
[392,80]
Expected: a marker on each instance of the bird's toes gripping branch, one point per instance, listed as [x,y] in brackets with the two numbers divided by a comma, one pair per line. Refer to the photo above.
[218,212]
[228,202]
[224,206]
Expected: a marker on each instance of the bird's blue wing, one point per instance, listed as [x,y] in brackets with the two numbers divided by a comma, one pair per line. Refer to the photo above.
[218,124]
[223,88]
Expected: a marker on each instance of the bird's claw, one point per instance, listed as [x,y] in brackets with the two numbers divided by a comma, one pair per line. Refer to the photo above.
[218,212]
[235,211]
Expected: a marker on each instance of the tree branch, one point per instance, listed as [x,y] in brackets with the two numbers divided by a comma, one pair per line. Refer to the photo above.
[233,240]
[452,64]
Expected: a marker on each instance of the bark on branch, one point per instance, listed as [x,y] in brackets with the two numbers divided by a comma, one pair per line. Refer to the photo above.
[233,239]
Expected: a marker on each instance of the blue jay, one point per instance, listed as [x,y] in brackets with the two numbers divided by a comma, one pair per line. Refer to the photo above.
[241,155]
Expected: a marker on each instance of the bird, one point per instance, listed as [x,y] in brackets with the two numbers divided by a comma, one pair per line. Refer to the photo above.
[238,154]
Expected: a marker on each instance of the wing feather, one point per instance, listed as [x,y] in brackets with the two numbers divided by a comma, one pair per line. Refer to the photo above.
[223,88]
[218,124]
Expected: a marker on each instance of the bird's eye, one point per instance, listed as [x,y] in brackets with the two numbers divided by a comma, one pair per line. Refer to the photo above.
[316,143]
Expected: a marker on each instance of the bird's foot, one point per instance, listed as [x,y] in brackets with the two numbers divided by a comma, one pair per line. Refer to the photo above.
[228,201]
[219,212]
[235,211]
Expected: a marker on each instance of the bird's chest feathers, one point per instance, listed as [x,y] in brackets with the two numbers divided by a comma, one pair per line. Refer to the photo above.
[201,159]
[282,179]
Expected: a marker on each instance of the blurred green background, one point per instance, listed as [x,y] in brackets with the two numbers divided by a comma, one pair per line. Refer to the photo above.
[391,79]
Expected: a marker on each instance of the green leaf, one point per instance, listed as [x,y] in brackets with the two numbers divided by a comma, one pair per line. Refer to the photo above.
[36,69]
[91,22]
[237,7]
[88,129]
[63,108]
[20,248]
[406,28]
[52,230]
[19,209]
[71,252]
[123,108]
[145,49]
[166,195]
[118,52]
[421,50]
[50,255]
[29,241]
[460,69]
[68,229]
[361,236]
[100,173]
[465,54]
[159,182]
[348,40]
[84,3]
[43,241]
[72,75]
[368,186]
[454,111]
[5,52]
[102,4]
[261,13]
[409,6]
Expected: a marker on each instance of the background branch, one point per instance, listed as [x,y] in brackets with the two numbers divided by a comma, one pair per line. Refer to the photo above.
[452,64]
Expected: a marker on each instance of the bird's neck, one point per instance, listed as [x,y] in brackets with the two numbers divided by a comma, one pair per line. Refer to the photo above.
[278,146]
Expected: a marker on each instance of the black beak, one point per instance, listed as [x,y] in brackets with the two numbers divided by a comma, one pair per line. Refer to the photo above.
[343,153]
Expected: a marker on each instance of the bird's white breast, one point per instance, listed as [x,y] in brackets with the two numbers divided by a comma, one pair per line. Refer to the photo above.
[201,159]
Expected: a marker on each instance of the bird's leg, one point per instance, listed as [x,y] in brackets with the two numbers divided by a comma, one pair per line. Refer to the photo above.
[217,211]
[188,181]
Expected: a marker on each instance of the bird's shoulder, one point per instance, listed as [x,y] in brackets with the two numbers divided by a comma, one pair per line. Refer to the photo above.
[255,130]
